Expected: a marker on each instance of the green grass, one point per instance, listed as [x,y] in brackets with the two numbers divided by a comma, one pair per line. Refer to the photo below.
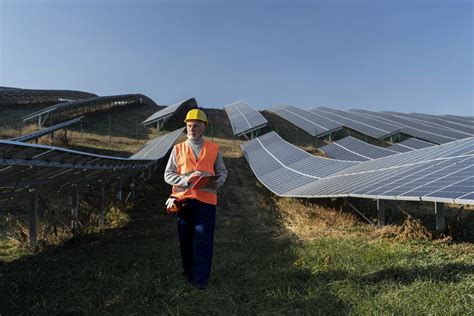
[258,268]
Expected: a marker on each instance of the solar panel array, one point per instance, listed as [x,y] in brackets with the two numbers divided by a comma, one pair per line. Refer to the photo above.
[244,118]
[169,111]
[83,106]
[45,131]
[312,123]
[350,148]
[442,173]
[437,121]
[11,96]
[372,127]
[417,129]
[158,147]
[410,144]
[24,165]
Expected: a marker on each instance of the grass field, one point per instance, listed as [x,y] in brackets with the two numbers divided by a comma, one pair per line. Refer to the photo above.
[272,256]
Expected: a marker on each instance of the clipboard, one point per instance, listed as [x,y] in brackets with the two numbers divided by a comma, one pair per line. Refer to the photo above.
[203,182]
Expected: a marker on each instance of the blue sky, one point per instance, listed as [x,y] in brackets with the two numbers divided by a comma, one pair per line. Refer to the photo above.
[379,55]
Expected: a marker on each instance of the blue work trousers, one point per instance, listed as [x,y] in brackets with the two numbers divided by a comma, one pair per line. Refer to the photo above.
[196,222]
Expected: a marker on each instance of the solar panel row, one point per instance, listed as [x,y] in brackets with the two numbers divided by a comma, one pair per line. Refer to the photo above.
[442,173]
[417,129]
[350,148]
[45,131]
[312,123]
[364,125]
[437,121]
[169,111]
[13,96]
[244,118]
[409,145]
[84,105]
[23,165]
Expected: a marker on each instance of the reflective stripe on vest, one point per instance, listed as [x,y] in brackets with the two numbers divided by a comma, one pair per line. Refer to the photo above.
[186,164]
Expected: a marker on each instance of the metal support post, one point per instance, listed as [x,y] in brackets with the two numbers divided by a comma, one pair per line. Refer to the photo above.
[102,205]
[440,218]
[75,210]
[297,141]
[34,220]
[119,191]
[110,128]
[132,190]
[381,212]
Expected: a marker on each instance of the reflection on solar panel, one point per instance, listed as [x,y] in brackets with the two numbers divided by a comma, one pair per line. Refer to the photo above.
[431,174]
[410,144]
[419,130]
[243,118]
[12,96]
[162,115]
[23,165]
[350,148]
[158,147]
[312,123]
[91,104]
[364,125]
[436,121]
[45,131]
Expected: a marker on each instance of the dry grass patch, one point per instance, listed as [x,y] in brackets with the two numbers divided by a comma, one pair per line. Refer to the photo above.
[310,221]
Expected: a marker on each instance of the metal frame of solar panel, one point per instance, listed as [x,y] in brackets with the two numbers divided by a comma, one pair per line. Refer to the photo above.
[160,117]
[436,122]
[423,131]
[17,96]
[38,169]
[244,119]
[353,149]
[82,106]
[35,135]
[410,144]
[364,125]
[312,123]
[437,174]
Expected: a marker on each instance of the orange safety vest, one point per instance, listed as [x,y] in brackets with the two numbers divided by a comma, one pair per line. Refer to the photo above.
[186,164]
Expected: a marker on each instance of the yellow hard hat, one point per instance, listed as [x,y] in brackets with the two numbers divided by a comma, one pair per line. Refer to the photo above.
[196,114]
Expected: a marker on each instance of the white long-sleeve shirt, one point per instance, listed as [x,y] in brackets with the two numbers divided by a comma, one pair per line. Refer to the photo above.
[173,178]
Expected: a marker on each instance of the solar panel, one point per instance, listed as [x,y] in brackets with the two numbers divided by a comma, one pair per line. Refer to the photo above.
[24,164]
[11,96]
[158,147]
[244,118]
[435,173]
[85,105]
[313,124]
[169,111]
[371,127]
[416,129]
[437,121]
[45,131]
[410,144]
[350,148]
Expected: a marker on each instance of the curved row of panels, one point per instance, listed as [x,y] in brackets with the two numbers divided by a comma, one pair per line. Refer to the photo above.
[443,173]
[24,166]
[320,121]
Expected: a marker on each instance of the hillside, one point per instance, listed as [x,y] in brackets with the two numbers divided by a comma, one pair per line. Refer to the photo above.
[272,255]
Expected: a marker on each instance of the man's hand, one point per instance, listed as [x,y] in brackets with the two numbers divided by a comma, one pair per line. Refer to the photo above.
[170,203]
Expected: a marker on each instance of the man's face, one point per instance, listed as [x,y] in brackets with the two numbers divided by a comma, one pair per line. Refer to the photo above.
[195,129]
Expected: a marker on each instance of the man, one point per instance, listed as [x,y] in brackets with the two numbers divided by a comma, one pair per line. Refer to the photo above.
[189,161]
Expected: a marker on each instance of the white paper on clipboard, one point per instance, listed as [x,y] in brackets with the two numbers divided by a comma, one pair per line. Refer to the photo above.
[204,181]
